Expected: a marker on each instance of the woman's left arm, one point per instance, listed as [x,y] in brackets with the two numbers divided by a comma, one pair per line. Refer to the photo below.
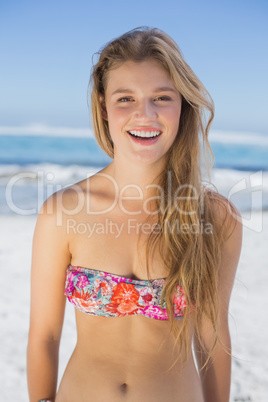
[216,376]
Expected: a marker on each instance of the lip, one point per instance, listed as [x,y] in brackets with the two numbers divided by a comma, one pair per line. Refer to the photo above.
[144,128]
[144,142]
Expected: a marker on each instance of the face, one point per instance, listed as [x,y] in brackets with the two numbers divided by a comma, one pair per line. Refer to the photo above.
[143,109]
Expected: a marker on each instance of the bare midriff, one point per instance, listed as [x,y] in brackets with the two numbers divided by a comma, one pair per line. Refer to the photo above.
[127,359]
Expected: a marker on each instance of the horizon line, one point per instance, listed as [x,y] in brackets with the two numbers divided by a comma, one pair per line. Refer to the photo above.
[215,135]
[37,129]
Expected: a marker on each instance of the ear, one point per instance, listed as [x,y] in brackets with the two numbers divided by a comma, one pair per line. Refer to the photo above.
[103,107]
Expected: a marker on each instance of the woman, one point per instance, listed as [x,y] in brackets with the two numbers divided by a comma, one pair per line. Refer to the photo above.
[143,250]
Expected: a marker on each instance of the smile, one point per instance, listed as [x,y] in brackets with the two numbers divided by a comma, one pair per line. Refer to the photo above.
[145,134]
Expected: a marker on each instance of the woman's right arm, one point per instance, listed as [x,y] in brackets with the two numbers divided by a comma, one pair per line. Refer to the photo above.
[50,257]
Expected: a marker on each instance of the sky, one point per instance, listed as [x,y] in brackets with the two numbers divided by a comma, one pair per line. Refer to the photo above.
[46,51]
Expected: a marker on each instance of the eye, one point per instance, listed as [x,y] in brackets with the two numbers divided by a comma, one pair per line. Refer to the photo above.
[163,98]
[125,99]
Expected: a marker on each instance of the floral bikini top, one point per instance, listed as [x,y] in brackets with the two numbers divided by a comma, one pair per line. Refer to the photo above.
[108,295]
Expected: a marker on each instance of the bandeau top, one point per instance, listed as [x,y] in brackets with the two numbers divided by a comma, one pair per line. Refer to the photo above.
[104,294]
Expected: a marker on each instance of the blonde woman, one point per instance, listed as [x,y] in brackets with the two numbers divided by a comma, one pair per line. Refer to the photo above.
[143,250]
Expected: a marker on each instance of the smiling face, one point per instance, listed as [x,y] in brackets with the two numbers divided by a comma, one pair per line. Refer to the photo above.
[143,109]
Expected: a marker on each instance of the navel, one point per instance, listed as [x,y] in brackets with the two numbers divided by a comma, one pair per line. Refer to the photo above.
[123,387]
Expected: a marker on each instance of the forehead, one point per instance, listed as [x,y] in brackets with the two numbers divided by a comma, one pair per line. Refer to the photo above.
[145,73]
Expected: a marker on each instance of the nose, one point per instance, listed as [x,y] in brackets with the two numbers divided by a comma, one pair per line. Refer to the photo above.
[146,110]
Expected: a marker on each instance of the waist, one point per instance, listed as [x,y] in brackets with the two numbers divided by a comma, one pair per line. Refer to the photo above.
[129,377]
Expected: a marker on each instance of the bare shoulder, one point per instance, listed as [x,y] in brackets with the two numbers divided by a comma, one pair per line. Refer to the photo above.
[66,202]
[66,199]
[76,201]
[226,215]
[72,202]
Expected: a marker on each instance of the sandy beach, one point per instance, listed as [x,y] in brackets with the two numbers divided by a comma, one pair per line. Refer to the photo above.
[248,312]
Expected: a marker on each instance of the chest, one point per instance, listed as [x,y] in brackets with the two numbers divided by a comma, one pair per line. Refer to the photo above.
[115,243]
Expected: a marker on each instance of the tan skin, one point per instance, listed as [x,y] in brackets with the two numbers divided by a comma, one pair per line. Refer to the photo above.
[125,358]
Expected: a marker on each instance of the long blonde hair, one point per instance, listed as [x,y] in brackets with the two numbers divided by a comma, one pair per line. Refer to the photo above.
[191,257]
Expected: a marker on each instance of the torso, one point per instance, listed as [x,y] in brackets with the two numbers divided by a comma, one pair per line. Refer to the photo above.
[125,358]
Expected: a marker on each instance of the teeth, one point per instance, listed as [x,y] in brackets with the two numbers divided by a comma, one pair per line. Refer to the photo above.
[145,134]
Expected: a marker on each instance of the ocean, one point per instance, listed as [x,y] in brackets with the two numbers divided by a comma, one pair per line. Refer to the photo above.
[34,166]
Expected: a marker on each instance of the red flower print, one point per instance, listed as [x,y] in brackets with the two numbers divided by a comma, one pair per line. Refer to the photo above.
[124,292]
[147,298]
[127,308]
[80,294]
[124,299]
[105,288]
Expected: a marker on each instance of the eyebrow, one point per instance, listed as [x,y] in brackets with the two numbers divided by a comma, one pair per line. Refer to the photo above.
[130,91]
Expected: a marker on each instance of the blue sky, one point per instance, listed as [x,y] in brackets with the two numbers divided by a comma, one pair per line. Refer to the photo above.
[46,50]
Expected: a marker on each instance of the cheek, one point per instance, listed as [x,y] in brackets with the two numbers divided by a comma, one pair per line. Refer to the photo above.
[117,115]
[173,119]
[117,122]
[172,112]
[177,116]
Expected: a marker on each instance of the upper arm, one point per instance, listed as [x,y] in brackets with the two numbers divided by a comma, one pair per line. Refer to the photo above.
[230,254]
[231,225]
[50,257]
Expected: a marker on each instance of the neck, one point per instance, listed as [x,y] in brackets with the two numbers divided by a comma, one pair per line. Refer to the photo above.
[133,178]
[136,185]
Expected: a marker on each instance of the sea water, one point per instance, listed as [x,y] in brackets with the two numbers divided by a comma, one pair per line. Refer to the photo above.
[33,167]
